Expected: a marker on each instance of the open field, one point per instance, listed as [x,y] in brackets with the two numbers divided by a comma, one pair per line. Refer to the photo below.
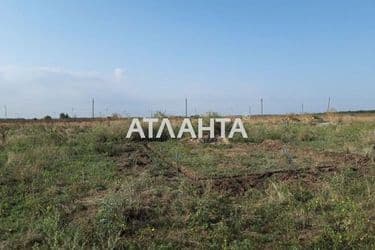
[296,182]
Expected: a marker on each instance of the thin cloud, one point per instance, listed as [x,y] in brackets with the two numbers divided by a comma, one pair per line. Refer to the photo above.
[36,91]
[119,74]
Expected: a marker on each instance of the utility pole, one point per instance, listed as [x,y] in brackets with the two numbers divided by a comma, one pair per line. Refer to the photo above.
[261,106]
[93,108]
[186,109]
[5,112]
[249,110]
[329,104]
[302,111]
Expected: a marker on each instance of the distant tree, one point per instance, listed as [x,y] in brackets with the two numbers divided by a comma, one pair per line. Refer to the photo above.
[47,117]
[212,114]
[64,116]
[159,114]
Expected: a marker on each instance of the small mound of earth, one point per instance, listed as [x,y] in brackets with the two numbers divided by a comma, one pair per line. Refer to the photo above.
[291,118]
[348,158]
[208,140]
[272,145]
[137,157]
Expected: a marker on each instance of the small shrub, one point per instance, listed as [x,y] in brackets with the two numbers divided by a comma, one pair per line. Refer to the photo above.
[306,135]
[64,116]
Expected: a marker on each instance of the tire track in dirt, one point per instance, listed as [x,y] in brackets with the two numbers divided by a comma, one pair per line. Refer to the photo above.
[238,184]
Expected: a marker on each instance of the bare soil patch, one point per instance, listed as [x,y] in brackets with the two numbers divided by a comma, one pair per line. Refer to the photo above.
[134,155]
[318,165]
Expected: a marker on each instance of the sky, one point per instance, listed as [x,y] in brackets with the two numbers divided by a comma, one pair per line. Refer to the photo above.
[138,57]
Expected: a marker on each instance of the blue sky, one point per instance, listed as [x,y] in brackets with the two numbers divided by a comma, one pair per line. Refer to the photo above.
[136,57]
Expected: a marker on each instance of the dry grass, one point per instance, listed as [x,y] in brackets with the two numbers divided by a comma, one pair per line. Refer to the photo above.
[291,184]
